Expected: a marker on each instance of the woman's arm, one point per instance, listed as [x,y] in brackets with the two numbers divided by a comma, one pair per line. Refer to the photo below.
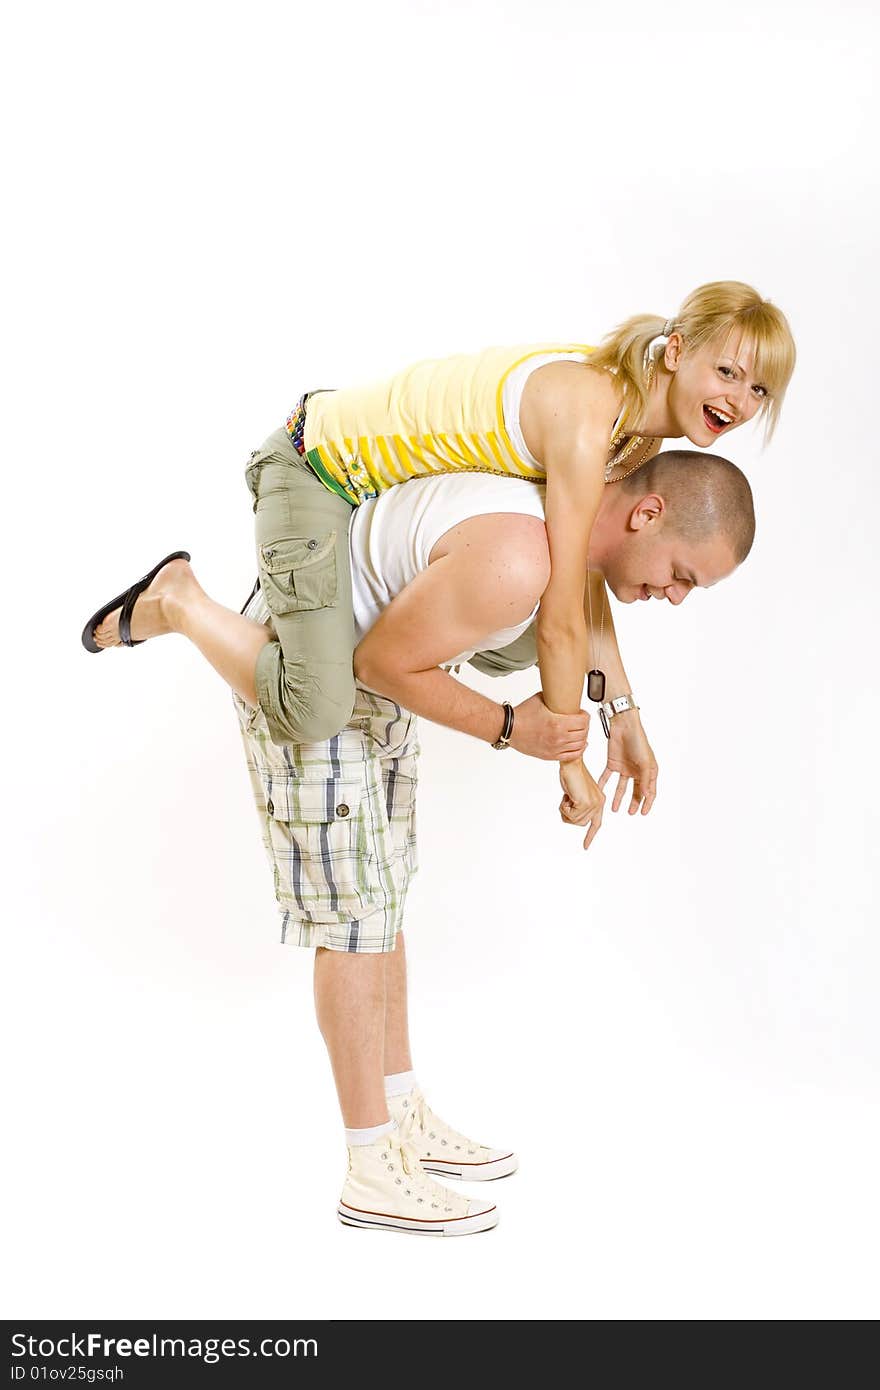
[567,417]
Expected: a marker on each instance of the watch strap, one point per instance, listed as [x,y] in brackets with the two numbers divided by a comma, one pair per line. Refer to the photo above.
[609,708]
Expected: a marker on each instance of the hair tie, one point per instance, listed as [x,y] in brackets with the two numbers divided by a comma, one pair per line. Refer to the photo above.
[654,349]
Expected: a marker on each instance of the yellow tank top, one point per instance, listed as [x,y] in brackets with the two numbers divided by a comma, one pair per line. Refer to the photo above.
[438,416]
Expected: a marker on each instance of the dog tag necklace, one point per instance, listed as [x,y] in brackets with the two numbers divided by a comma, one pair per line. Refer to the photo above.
[595,678]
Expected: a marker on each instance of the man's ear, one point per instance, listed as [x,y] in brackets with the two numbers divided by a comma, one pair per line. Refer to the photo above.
[672,353]
[647,512]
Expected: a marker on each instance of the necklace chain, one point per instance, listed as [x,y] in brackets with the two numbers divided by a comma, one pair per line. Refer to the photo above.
[595,653]
[633,442]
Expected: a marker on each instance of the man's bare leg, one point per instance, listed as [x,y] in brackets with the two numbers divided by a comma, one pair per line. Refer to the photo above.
[361,1007]
[176,602]
[397,1054]
[385,1184]
[350,1008]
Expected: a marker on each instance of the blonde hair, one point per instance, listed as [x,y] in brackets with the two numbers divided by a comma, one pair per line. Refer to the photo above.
[722,307]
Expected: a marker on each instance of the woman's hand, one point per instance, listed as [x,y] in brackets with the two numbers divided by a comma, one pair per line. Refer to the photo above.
[630,755]
[583,802]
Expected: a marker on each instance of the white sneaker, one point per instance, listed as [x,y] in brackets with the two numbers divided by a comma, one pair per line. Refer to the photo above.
[387,1188]
[443,1150]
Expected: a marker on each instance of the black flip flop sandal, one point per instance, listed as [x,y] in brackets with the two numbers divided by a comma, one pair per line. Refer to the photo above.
[126,601]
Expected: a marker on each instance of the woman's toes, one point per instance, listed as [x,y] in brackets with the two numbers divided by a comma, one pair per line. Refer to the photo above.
[107,631]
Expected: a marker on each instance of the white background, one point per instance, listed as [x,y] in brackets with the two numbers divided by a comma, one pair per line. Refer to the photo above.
[209,210]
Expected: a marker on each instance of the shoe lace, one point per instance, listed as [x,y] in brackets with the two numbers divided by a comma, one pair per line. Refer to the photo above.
[415,1181]
[421,1117]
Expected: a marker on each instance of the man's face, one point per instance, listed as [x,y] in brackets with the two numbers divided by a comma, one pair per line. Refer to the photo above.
[648,560]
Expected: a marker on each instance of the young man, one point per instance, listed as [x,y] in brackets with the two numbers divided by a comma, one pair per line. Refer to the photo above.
[444,570]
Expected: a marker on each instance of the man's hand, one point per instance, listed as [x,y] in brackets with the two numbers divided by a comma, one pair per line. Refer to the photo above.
[583,801]
[631,757]
[540,733]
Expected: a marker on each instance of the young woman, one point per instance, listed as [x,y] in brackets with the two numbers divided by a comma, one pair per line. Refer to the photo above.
[577,416]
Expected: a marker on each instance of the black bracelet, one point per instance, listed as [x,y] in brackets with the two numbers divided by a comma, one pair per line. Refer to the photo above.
[503,740]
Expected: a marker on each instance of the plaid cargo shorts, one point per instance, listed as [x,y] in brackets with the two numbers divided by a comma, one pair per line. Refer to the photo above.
[338,821]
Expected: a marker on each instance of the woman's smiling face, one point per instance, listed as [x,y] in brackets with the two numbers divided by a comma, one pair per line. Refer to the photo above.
[713,388]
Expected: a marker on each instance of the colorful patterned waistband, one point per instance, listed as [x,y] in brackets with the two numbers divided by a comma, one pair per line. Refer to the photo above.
[296,424]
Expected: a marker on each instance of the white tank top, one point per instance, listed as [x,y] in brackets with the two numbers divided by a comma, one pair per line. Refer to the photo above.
[511,401]
[391,538]
[511,396]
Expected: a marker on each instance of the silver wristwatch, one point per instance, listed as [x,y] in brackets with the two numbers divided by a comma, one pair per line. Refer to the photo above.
[610,708]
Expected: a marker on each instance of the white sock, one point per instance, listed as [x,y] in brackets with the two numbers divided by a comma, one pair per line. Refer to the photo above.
[400,1083]
[369,1136]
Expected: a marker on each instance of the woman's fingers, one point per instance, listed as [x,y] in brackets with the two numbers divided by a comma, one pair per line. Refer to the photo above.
[595,826]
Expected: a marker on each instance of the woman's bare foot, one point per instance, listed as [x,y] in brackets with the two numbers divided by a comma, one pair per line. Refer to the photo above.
[158,610]
[176,602]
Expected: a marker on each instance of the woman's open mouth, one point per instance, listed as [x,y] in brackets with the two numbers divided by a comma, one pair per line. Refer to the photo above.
[717,420]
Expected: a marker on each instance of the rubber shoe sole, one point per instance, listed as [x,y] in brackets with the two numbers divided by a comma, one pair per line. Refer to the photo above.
[458,1226]
[472,1172]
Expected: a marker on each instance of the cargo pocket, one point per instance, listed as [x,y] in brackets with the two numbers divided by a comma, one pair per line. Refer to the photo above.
[399,788]
[298,575]
[318,839]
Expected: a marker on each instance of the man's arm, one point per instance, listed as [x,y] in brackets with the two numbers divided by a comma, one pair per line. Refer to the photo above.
[485,574]
[629,753]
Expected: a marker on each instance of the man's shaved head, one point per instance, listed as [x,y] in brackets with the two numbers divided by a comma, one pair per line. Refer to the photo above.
[705,495]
